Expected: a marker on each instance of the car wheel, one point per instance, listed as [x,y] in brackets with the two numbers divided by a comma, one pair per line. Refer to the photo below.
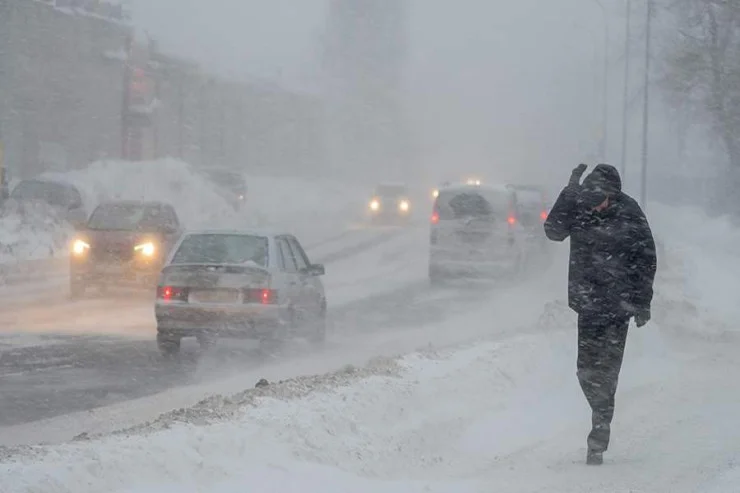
[77,289]
[318,328]
[168,344]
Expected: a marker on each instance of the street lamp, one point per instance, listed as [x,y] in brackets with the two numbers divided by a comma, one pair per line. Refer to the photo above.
[605,95]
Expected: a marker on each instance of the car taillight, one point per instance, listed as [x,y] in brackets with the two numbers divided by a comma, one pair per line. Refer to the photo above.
[171,293]
[262,296]
[511,220]
[435,217]
[543,215]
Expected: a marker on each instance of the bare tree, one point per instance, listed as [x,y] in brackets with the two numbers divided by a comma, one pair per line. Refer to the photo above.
[703,70]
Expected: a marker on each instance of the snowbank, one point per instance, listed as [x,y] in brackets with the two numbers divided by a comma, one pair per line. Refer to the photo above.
[30,232]
[702,253]
[296,205]
[431,421]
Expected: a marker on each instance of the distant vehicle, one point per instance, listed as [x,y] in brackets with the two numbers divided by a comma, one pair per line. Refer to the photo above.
[62,197]
[231,183]
[124,243]
[533,209]
[390,203]
[475,232]
[239,284]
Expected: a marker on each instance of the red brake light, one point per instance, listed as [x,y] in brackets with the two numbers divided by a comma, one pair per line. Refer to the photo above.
[435,217]
[262,296]
[171,293]
[511,220]
[543,215]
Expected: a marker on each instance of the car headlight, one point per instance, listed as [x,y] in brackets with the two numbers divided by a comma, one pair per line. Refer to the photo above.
[403,205]
[374,205]
[80,247]
[147,249]
[435,193]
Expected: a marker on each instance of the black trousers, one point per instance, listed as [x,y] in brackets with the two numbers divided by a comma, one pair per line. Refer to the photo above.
[601,342]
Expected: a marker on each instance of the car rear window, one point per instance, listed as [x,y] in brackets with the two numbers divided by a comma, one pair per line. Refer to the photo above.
[222,249]
[472,204]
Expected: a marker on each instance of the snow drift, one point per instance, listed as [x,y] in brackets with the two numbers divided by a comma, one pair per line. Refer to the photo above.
[281,203]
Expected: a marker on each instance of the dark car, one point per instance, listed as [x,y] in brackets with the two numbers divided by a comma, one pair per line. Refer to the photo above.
[123,243]
[390,203]
[63,197]
[230,183]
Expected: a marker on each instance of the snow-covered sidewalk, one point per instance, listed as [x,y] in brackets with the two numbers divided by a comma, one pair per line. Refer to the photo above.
[508,414]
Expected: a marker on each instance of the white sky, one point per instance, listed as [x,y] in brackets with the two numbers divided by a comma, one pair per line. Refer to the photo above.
[489,81]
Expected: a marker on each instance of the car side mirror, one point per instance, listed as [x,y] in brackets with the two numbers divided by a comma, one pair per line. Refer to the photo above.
[316,270]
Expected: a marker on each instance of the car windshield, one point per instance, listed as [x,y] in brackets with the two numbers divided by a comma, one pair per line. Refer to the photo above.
[117,217]
[390,191]
[32,190]
[222,249]
[475,204]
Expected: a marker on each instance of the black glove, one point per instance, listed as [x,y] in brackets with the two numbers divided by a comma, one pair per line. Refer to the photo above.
[575,176]
[642,316]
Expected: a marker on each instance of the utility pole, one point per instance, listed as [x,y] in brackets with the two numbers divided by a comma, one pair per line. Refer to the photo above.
[646,107]
[625,99]
[605,88]
[605,97]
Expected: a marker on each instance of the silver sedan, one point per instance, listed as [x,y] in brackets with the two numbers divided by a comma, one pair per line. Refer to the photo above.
[238,284]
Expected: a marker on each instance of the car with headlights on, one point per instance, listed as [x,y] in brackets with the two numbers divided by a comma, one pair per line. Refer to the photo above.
[123,243]
[241,284]
[390,203]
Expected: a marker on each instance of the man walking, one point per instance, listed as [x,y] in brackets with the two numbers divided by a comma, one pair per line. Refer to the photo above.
[610,280]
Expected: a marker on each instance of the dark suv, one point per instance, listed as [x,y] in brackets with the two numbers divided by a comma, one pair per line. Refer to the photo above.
[123,243]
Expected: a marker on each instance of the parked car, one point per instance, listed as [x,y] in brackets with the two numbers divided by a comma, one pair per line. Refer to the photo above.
[124,243]
[231,184]
[241,284]
[64,198]
[475,232]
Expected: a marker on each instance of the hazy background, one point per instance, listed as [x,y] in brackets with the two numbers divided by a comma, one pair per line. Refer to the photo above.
[510,90]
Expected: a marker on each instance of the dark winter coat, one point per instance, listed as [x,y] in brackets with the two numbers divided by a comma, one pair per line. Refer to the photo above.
[612,252]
